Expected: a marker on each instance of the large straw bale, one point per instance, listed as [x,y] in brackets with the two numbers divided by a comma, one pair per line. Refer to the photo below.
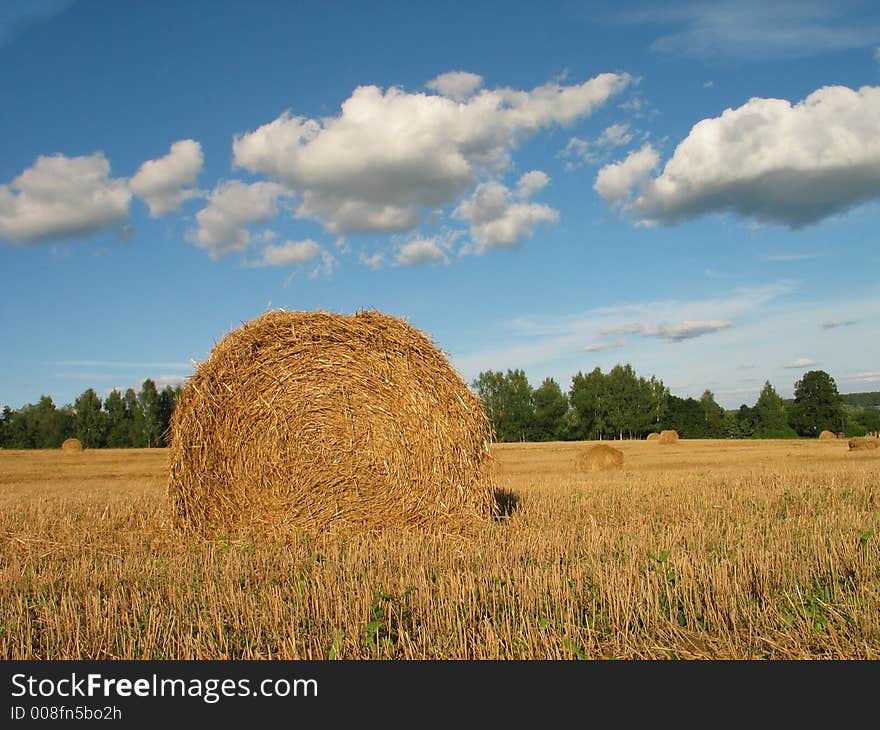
[859,443]
[653,436]
[668,437]
[828,436]
[599,457]
[71,445]
[312,420]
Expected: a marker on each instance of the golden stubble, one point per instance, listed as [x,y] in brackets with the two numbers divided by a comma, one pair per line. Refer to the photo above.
[698,549]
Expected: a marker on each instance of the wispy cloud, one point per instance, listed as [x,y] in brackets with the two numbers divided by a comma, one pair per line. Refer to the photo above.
[750,30]
[801,362]
[866,376]
[839,323]
[600,346]
[120,365]
[789,256]
[536,340]
[15,18]
[686,330]
[579,152]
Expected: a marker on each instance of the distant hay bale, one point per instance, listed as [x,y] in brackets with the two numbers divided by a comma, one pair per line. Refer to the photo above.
[599,457]
[71,445]
[653,436]
[828,436]
[859,443]
[312,420]
[668,437]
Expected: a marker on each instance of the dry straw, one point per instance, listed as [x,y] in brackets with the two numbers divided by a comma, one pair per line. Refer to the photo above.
[863,442]
[71,445]
[653,436]
[827,436]
[599,457]
[668,437]
[312,420]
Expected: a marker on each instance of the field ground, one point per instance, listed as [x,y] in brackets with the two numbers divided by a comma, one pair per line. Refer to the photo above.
[702,549]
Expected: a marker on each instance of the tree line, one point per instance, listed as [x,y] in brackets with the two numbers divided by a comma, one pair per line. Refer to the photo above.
[614,405]
[620,404]
[123,420]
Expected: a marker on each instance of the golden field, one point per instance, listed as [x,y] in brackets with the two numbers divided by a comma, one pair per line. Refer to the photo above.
[699,549]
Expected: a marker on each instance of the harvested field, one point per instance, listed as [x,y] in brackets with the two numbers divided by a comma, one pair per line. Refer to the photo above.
[702,549]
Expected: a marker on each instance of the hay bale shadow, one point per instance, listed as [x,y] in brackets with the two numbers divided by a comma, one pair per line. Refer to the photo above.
[506,503]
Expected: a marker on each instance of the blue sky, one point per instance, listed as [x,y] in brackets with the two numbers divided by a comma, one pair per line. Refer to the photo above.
[548,186]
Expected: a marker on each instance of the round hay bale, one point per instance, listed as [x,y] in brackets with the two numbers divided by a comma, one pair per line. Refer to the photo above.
[71,445]
[653,436]
[311,420]
[828,436]
[860,443]
[668,437]
[600,457]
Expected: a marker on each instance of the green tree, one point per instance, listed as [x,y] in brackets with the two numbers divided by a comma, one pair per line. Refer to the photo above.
[134,414]
[149,402]
[508,402]
[771,420]
[167,403]
[628,401]
[817,404]
[746,419]
[551,405]
[713,415]
[686,416]
[6,427]
[587,396]
[90,420]
[659,401]
[118,423]
[519,408]
[489,386]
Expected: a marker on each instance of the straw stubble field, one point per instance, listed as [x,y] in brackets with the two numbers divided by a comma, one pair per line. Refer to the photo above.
[698,549]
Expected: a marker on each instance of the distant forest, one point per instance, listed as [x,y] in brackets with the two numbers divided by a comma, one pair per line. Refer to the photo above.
[614,405]
[123,420]
[620,404]
[863,400]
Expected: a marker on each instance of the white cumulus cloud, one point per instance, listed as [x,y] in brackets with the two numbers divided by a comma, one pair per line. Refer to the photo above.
[457,85]
[161,183]
[289,253]
[232,207]
[773,161]
[390,156]
[615,181]
[422,251]
[62,197]
[531,183]
[499,219]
